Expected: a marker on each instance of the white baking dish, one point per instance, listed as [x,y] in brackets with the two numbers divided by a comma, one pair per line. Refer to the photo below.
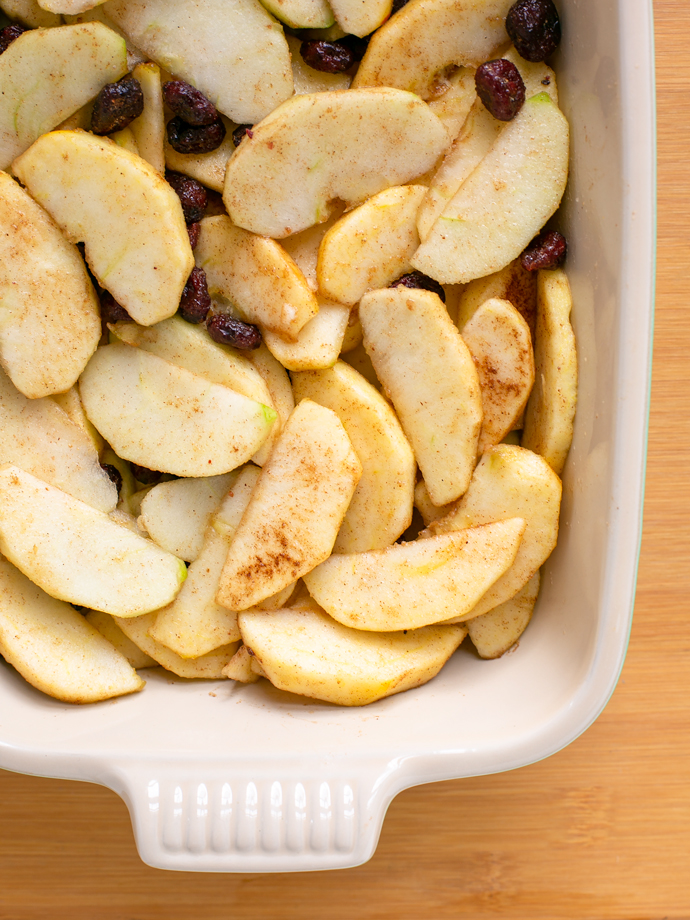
[223,777]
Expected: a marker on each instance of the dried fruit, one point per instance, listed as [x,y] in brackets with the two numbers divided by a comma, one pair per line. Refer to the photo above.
[534,28]
[548,250]
[145,476]
[117,105]
[190,104]
[239,133]
[417,279]
[358,46]
[328,57]
[9,34]
[114,475]
[195,301]
[226,330]
[111,310]
[193,230]
[500,87]
[191,193]
[186,138]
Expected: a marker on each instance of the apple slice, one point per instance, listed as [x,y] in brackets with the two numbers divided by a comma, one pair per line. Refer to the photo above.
[370,246]
[41,439]
[381,508]
[505,201]
[78,554]
[235,53]
[427,36]
[423,503]
[358,18]
[125,213]
[314,149]
[69,7]
[306,79]
[318,343]
[54,648]
[239,667]
[30,13]
[513,283]
[70,403]
[109,629]
[277,380]
[409,585]
[149,128]
[497,631]
[550,411]
[428,372]
[165,418]
[207,168]
[50,320]
[304,651]
[47,74]
[125,139]
[296,510]
[301,14]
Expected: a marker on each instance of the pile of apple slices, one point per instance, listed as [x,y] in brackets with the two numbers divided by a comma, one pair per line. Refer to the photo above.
[341,506]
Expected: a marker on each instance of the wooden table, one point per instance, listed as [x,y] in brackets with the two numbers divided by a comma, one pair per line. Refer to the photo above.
[601,831]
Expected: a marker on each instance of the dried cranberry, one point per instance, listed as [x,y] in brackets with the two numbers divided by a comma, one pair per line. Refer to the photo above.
[145,476]
[193,230]
[417,279]
[534,28]
[195,301]
[226,330]
[9,34]
[117,105]
[190,104]
[191,193]
[239,133]
[500,87]
[186,138]
[328,57]
[112,311]
[548,250]
[114,475]
[358,46]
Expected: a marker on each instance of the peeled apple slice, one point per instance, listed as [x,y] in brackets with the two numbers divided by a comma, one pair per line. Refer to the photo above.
[128,217]
[495,632]
[70,7]
[358,18]
[301,14]
[30,13]
[78,554]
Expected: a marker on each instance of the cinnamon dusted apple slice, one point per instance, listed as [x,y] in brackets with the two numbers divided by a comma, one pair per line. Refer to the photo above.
[125,213]
[513,283]
[148,129]
[207,168]
[358,18]
[50,322]
[301,14]
[497,631]
[47,74]
[30,13]
[70,7]
[318,343]
[108,628]
[235,53]
[308,80]
[314,149]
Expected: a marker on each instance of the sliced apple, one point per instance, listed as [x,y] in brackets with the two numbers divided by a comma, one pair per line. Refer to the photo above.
[125,139]
[500,344]
[193,41]
[149,128]
[306,79]
[304,651]
[108,628]
[360,360]
[358,18]
[452,98]
[207,168]
[96,14]
[508,482]
[69,7]
[381,508]
[128,217]
[301,14]
[423,503]
[429,375]
[239,667]
[550,411]
[296,510]
[497,631]
[30,13]
[47,74]
[409,585]
[277,380]
[511,283]
[54,648]
[77,554]
[505,201]
[70,403]
[304,247]
[50,321]
[370,246]
[318,343]
[314,149]
[165,418]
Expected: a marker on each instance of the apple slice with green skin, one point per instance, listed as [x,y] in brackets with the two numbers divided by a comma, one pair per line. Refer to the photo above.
[427,36]
[381,508]
[77,554]
[301,14]
[128,217]
[165,418]
[108,628]
[357,18]
[149,128]
[50,320]
[41,439]
[302,650]
[409,585]
[191,40]
[30,13]
[47,74]
[497,631]
[314,149]
[54,648]
[370,246]
[428,372]
[296,510]
[279,386]
[504,203]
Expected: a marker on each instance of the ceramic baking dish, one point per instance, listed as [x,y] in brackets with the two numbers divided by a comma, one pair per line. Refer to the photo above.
[224,777]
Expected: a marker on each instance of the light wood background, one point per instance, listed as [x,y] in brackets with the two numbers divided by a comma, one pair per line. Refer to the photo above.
[601,831]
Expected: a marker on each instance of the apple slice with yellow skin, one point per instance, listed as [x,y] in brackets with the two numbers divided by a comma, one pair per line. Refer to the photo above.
[77,554]
[428,372]
[314,149]
[302,650]
[381,508]
[47,74]
[296,510]
[50,320]
[139,252]
[512,283]
[149,128]
[409,585]
[30,13]
[497,631]
[54,648]
[357,18]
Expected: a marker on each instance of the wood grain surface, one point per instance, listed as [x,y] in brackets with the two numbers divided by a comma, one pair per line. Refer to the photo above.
[601,831]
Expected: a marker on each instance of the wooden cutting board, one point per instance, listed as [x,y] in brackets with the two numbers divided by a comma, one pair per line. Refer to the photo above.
[601,831]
